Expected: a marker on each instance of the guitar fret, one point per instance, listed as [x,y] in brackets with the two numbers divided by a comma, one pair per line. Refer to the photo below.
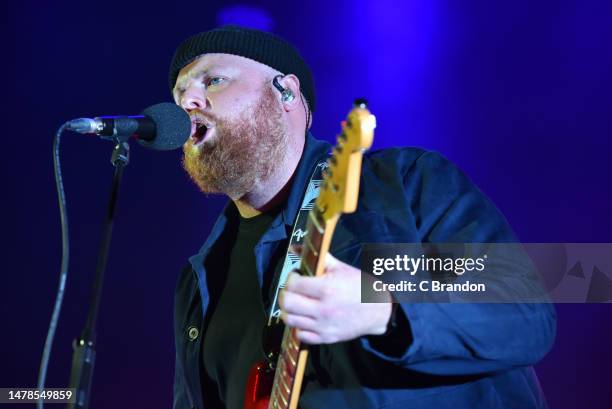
[291,352]
[279,404]
[284,400]
[281,395]
[316,223]
[314,236]
[280,391]
[292,345]
[308,269]
[293,337]
[293,360]
[290,364]
[285,391]
[309,259]
[286,387]
[311,247]
[284,343]
[273,399]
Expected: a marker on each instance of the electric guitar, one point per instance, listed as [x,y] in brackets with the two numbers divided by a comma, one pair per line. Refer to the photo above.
[276,383]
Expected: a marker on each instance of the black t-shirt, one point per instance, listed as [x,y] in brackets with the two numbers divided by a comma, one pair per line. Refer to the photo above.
[233,339]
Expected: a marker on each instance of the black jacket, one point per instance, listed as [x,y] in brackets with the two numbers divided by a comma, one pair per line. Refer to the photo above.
[454,355]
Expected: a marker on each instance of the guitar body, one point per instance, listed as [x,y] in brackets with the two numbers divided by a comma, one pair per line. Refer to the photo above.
[259,386]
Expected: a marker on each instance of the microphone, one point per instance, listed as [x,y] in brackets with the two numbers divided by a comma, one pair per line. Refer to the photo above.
[164,126]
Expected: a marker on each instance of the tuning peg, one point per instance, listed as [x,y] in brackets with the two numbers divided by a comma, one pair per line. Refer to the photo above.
[360,103]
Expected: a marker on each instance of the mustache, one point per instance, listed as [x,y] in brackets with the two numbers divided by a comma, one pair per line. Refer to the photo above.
[201,117]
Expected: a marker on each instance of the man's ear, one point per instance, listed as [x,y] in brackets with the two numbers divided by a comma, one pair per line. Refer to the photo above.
[291,83]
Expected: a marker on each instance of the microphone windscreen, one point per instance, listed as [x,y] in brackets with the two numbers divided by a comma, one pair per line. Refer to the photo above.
[173,126]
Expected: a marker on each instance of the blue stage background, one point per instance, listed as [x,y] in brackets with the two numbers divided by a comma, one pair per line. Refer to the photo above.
[517,94]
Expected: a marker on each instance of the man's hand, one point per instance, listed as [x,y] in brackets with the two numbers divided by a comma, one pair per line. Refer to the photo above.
[328,308]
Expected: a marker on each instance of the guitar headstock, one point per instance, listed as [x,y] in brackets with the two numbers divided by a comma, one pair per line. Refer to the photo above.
[340,189]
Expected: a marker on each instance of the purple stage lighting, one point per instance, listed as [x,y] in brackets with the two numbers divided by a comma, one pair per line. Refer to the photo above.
[245,15]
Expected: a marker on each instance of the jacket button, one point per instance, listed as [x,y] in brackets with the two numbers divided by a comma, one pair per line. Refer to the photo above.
[192,333]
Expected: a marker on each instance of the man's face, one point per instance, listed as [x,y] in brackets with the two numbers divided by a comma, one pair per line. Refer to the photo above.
[238,132]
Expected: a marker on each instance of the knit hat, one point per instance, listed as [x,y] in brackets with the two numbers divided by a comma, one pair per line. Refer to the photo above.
[260,46]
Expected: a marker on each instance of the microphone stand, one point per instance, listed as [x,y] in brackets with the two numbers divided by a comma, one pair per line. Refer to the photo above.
[84,355]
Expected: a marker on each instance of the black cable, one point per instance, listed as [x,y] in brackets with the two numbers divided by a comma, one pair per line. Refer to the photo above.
[307,112]
[44,363]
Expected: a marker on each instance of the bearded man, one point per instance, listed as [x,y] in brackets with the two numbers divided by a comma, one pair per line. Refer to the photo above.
[250,96]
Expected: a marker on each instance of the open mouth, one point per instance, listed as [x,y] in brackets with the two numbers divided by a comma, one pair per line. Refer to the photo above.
[199,134]
[200,129]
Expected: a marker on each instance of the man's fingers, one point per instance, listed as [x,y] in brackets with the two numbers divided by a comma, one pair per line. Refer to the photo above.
[309,337]
[312,287]
[299,321]
[298,304]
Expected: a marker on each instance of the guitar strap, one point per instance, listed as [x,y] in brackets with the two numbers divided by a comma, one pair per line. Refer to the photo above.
[292,260]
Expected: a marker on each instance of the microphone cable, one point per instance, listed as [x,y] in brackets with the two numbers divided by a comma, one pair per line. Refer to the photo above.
[44,363]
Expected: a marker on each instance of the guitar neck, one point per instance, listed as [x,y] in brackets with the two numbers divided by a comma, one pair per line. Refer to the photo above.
[292,358]
[338,194]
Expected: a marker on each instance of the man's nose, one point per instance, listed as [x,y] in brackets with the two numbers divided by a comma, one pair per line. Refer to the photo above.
[193,99]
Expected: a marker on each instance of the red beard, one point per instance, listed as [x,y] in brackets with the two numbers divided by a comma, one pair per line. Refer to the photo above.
[243,153]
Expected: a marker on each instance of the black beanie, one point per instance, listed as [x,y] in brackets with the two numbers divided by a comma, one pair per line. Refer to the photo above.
[260,46]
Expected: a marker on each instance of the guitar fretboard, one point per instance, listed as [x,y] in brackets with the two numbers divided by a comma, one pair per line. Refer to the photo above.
[289,357]
[338,194]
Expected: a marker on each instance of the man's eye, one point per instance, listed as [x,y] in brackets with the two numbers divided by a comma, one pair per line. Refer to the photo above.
[213,81]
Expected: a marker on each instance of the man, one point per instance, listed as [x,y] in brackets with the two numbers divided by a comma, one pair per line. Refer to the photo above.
[250,97]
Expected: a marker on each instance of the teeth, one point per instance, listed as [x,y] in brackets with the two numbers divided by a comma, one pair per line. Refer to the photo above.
[199,119]
[199,127]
